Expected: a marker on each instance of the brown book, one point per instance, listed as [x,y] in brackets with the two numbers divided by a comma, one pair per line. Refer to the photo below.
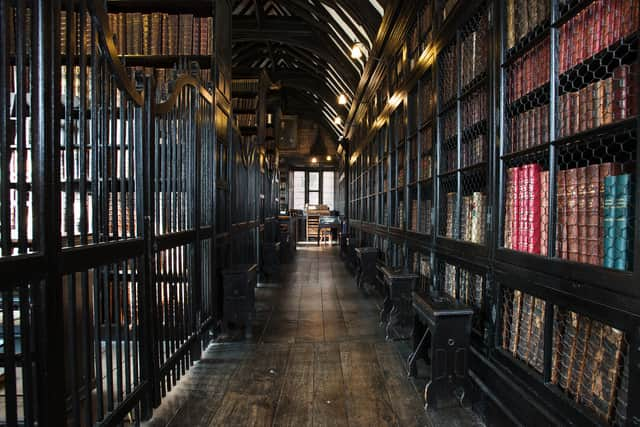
[156,34]
[561,227]
[186,32]
[544,213]
[146,34]
[196,36]
[571,218]
[164,49]
[581,174]
[508,205]
[592,212]
[173,39]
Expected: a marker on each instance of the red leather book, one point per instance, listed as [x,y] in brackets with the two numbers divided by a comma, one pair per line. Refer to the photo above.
[522,205]
[533,208]
[515,227]
[544,213]
[581,181]
[620,89]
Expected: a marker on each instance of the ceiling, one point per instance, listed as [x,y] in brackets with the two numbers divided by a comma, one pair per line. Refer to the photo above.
[305,46]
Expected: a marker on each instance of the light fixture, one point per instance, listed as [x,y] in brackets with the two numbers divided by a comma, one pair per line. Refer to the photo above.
[337,120]
[357,50]
[314,160]
[342,99]
[328,158]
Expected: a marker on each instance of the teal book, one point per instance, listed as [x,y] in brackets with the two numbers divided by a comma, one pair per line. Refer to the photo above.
[609,221]
[623,222]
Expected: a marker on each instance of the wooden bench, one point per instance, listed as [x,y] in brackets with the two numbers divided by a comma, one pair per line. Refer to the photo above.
[441,335]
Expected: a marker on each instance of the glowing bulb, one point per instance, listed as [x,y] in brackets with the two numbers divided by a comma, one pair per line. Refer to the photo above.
[356,51]
[314,160]
[342,99]
[328,158]
[337,121]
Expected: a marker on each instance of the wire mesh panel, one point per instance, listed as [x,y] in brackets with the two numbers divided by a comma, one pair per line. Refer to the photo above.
[447,75]
[523,327]
[590,365]
[526,202]
[597,110]
[525,22]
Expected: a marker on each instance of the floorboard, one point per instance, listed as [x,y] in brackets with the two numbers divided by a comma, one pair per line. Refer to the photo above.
[318,358]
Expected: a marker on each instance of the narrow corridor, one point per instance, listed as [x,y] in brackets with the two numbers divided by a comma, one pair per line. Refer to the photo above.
[318,358]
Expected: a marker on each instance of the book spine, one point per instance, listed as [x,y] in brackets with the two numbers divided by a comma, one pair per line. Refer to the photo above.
[623,217]
[515,227]
[533,209]
[609,221]
[581,174]
[592,213]
[544,213]
[572,218]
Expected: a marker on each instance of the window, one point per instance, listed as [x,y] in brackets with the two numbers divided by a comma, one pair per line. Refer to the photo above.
[298,189]
[314,188]
[328,189]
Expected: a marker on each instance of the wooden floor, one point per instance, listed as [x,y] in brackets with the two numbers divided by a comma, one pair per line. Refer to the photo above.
[318,358]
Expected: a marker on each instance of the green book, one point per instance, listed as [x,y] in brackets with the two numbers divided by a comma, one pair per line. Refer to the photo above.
[609,221]
[623,211]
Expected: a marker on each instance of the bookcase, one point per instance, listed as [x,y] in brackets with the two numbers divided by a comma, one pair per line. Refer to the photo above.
[522,141]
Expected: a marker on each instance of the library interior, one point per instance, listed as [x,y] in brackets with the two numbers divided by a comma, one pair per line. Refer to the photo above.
[319,213]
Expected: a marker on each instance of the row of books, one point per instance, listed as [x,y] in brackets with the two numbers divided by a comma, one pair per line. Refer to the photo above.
[162,34]
[474,109]
[618,221]
[427,101]
[245,103]
[526,211]
[588,363]
[401,177]
[523,328]
[529,71]
[581,199]
[597,26]
[529,129]
[425,167]
[449,228]
[247,120]
[602,102]
[449,124]
[449,285]
[474,151]
[473,217]
[448,73]
[523,16]
[449,158]
[422,267]
[245,85]
[421,223]
[475,45]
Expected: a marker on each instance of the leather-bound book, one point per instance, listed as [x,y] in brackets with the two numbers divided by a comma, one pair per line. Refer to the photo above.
[508,210]
[592,213]
[623,213]
[164,49]
[606,169]
[147,34]
[581,174]
[174,32]
[544,213]
[609,221]
[561,220]
[156,34]
[515,228]
[572,219]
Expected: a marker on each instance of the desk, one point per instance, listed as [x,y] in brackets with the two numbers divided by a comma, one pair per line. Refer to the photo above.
[396,309]
[366,273]
[441,334]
